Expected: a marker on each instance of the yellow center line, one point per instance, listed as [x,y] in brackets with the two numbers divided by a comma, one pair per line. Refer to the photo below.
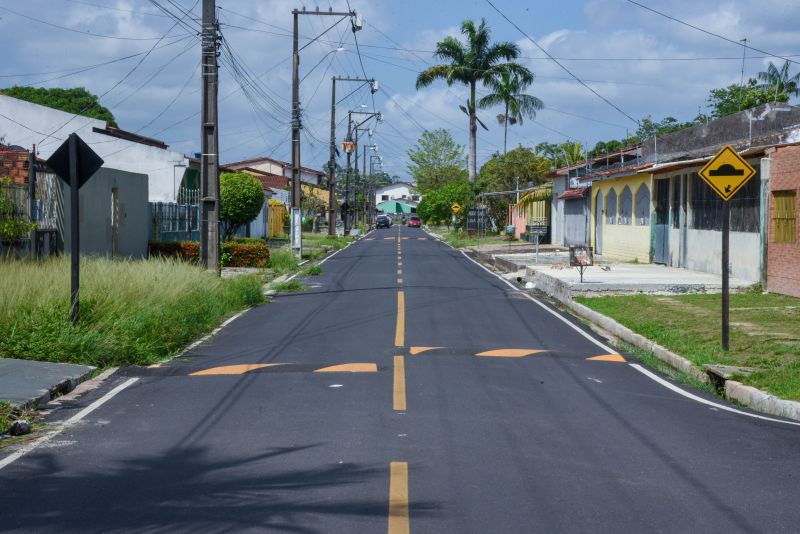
[399,392]
[400,330]
[398,498]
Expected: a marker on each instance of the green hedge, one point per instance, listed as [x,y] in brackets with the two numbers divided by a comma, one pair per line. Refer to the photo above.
[236,253]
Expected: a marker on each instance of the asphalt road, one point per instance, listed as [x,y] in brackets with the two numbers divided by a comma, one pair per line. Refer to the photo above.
[409,390]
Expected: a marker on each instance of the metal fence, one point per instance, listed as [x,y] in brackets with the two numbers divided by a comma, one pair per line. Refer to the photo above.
[176,221]
[48,216]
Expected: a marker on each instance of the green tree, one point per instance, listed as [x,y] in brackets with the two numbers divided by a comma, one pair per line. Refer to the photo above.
[508,90]
[779,79]
[76,100]
[501,172]
[241,198]
[435,207]
[734,98]
[381,179]
[477,61]
[435,160]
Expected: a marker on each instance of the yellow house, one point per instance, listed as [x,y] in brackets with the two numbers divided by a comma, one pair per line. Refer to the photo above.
[621,211]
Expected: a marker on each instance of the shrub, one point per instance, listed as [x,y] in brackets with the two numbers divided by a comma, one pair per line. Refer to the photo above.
[241,198]
[251,253]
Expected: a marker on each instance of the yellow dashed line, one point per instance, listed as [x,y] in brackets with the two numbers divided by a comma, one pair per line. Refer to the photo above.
[510,353]
[399,389]
[350,368]
[233,369]
[400,328]
[608,358]
[398,498]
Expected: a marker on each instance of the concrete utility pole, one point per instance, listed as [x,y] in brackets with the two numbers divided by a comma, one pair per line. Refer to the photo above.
[350,128]
[296,229]
[332,160]
[209,141]
[32,198]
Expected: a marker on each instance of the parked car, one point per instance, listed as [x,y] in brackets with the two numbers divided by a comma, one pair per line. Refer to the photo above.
[414,222]
[383,221]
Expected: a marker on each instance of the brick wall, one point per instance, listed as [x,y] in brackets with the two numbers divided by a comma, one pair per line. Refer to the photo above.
[783,259]
[14,164]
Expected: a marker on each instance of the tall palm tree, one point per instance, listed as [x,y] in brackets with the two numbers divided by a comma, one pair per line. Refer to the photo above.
[779,79]
[507,89]
[477,60]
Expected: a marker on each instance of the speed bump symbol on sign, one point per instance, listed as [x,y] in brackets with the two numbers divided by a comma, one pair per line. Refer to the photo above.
[456,208]
[727,172]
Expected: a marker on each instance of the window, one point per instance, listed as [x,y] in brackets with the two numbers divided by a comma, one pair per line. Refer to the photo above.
[415,198]
[643,205]
[707,206]
[384,197]
[784,216]
[625,206]
[611,207]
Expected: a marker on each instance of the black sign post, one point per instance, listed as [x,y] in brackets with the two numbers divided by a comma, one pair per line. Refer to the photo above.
[726,173]
[74,162]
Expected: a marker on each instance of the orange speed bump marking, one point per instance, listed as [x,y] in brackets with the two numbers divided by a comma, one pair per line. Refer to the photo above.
[510,353]
[608,358]
[419,350]
[234,369]
[350,368]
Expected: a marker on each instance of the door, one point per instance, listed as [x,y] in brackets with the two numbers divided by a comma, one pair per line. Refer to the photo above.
[575,222]
[661,253]
[598,223]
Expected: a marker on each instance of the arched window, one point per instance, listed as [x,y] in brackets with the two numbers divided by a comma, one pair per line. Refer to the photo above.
[611,207]
[643,205]
[626,206]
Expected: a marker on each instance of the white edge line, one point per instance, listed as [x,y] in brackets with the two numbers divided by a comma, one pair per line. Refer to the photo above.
[636,366]
[326,258]
[67,424]
[701,400]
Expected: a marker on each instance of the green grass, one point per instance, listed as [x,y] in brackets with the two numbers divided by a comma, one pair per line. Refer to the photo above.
[460,239]
[132,312]
[290,286]
[283,261]
[314,270]
[9,414]
[765,332]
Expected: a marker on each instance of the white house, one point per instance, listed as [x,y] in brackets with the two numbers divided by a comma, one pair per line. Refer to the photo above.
[398,191]
[28,124]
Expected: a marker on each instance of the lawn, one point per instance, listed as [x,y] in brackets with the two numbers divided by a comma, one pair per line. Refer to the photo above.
[460,238]
[765,332]
[132,312]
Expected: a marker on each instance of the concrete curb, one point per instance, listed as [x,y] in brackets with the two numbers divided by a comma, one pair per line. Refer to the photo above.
[761,401]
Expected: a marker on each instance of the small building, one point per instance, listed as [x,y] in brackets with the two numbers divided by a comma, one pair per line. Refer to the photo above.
[280,168]
[533,209]
[783,249]
[403,191]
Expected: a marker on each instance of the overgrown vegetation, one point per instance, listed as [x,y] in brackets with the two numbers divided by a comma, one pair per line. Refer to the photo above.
[290,286]
[765,332]
[132,312]
[282,261]
[314,270]
[75,100]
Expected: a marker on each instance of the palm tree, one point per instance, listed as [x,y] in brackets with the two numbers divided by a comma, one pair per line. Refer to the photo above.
[507,89]
[477,60]
[779,79]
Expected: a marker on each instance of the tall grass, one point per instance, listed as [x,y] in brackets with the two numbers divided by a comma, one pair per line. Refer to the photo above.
[282,261]
[132,312]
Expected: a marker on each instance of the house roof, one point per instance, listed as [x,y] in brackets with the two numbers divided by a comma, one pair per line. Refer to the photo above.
[255,161]
[268,180]
[130,136]
[573,194]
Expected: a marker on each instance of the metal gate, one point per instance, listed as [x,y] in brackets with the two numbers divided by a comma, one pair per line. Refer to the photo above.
[661,253]
[598,223]
[575,222]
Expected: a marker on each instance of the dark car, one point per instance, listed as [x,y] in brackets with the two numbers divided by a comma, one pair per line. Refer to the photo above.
[383,221]
[414,222]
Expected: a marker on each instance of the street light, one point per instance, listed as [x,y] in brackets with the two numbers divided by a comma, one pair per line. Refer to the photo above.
[335,50]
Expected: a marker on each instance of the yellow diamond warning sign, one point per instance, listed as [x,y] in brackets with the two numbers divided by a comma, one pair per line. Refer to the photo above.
[456,208]
[727,172]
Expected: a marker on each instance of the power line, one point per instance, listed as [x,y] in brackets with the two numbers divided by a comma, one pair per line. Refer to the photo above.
[135,11]
[601,97]
[698,28]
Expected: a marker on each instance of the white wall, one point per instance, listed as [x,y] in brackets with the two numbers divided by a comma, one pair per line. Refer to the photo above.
[704,253]
[557,212]
[395,192]
[48,128]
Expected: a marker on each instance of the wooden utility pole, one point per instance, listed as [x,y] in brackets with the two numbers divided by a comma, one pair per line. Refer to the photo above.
[209,141]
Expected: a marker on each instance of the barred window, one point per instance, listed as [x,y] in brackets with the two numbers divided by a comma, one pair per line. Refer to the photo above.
[784,216]
[611,207]
[643,205]
[626,206]
[707,206]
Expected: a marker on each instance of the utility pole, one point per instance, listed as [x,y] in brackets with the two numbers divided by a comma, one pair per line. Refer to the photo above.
[32,197]
[209,141]
[346,207]
[295,221]
[332,160]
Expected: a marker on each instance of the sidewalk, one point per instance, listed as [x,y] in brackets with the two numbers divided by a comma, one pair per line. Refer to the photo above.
[25,382]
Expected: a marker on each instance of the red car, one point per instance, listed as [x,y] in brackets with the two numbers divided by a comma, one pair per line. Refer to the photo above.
[414,222]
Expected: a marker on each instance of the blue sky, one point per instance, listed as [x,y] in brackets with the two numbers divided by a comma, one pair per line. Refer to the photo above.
[643,63]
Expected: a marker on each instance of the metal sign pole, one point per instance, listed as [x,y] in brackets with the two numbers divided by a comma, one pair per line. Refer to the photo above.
[75,254]
[726,218]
